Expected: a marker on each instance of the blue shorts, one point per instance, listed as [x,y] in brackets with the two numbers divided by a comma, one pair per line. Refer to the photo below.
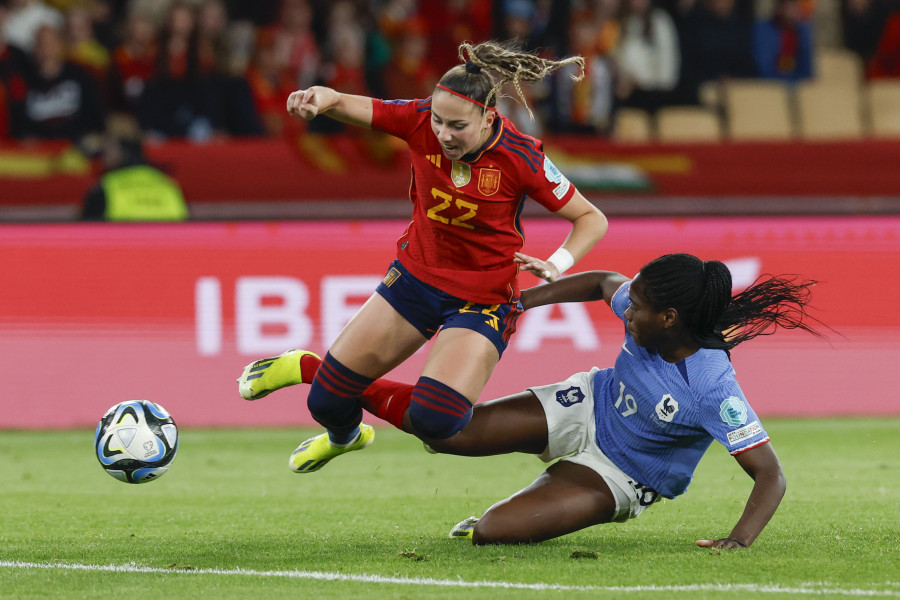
[429,309]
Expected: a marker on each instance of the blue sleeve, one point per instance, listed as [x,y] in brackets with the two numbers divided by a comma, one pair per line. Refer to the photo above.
[620,300]
[728,417]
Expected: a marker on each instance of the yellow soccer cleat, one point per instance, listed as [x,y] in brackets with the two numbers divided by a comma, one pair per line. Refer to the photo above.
[464,529]
[263,377]
[314,453]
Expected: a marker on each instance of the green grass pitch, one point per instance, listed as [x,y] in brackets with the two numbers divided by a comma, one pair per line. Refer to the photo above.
[230,521]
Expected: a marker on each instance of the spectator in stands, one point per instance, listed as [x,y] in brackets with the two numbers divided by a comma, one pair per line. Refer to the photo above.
[295,46]
[345,68]
[648,57]
[180,100]
[83,46]
[270,84]
[12,66]
[61,100]
[518,22]
[783,45]
[585,106]
[25,18]
[862,23]
[106,18]
[452,22]
[134,62]
[130,189]
[396,16]
[216,61]
[409,74]
[885,62]
[715,45]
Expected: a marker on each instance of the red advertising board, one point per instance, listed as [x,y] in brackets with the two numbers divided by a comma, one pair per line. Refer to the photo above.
[93,314]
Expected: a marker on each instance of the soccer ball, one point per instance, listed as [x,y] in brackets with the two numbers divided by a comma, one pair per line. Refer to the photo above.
[136,441]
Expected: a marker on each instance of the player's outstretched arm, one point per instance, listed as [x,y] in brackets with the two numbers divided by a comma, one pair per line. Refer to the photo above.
[762,465]
[581,287]
[589,225]
[318,100]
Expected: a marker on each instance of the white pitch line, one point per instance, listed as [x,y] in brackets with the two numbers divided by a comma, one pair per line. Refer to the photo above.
[815,590]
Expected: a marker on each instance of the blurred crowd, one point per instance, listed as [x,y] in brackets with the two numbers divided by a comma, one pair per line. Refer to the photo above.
[202,69]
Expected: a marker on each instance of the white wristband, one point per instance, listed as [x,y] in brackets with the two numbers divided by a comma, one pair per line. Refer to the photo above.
[562,259]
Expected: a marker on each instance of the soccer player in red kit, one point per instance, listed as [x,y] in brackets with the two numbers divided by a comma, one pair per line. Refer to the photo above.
[457,263]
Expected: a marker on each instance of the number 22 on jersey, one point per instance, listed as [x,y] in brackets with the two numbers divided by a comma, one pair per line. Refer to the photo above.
[445,213]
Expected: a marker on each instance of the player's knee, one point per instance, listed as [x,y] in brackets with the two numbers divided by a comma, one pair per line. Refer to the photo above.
[437,411]
[491,530]
[435,424]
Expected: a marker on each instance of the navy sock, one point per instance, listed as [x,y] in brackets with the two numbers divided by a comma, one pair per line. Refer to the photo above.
[334,399]
[438,411]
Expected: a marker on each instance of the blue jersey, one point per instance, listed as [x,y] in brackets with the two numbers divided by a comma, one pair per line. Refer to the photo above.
[656,419]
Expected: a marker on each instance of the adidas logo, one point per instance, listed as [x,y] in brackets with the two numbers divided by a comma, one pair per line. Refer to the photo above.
[434,159]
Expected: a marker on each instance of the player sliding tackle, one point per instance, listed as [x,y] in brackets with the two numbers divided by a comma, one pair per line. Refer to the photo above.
[622,437]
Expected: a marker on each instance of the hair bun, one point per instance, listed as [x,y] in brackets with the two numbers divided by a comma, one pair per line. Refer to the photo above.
[472,68]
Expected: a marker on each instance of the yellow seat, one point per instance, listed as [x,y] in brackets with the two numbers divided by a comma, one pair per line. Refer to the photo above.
[884,107]
[758,110]
[688,124]
[838,66]
[633,126]
[826,111]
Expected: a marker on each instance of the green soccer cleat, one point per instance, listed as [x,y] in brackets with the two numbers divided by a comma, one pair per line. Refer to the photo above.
[314,453]
[464,529]
[263,377]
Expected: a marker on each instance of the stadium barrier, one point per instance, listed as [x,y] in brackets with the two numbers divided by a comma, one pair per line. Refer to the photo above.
[93,314]
[344,168]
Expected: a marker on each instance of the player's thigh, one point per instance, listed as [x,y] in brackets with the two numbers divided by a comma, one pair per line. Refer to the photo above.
[565,498]
[463,360]
[376,339]
[510,424]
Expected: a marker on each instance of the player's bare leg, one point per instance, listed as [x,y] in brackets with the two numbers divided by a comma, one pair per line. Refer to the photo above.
[565,498]
[510,424]
[376,339]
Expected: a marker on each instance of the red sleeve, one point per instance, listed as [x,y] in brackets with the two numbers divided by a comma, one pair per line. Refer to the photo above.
[396,117]
[549,187]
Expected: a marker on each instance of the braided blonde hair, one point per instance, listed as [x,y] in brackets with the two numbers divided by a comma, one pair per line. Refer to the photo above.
[491,65]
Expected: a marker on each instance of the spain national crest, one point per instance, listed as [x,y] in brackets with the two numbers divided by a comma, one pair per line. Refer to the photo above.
[489,181]
[460,174]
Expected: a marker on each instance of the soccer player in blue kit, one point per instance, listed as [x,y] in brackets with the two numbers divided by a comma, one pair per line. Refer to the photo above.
[627,435]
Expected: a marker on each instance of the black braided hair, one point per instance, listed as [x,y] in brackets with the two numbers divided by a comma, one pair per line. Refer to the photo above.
[701,293]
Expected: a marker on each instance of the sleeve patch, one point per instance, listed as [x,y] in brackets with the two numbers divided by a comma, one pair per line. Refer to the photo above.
[744,433]
[733,411]
[554,175]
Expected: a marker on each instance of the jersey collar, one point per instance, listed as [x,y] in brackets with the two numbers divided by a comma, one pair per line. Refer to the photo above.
[473,157]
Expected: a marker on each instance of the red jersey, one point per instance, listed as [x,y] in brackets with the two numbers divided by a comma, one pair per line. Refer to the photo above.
[465,226]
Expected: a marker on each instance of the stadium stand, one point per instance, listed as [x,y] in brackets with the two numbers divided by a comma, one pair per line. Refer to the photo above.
[884,108]
[632,125]
[838,67]
[688,124]
[758,110]
[826,111]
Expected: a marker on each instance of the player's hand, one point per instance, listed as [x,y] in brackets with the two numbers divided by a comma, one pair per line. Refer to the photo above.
[726,543]
[304,103]
[540,268]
